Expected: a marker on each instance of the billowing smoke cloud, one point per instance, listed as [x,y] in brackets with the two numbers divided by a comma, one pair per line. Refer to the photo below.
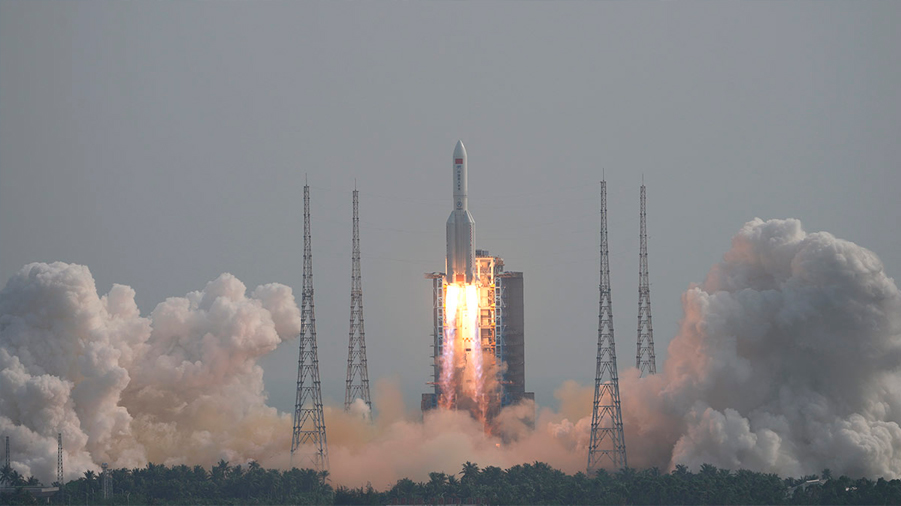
[788,360]
[400,445]
[181,386]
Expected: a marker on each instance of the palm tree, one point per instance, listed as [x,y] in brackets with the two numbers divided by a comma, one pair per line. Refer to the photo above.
[200,473]
[403,489]
[470,472]
[437,484]
[220,471]
[6,474]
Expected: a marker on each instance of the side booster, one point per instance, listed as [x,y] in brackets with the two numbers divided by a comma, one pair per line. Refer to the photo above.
[460,226]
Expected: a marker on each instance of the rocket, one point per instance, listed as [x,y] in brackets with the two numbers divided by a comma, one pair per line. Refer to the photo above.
[461,227]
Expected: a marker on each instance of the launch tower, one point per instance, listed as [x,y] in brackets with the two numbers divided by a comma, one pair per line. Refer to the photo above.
[357,373]
[308,437]
[607,445]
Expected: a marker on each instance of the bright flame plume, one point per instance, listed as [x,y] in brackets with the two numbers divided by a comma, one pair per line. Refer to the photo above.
[462,378]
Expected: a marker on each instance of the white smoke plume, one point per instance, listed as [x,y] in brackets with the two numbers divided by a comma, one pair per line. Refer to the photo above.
[179,386]
[788,360]
[182,386]
[401,445]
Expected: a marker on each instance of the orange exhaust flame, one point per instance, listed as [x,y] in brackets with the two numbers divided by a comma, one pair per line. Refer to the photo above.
[463,374]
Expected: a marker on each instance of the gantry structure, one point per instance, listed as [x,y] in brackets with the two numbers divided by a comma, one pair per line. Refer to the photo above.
[308,439]
[607,445]
[645,360]
[357,373]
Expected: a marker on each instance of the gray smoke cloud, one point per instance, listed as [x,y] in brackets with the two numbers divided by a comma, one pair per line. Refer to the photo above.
[788,360]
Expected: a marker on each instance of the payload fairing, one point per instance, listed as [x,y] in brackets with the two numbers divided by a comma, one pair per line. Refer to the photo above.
[460,226]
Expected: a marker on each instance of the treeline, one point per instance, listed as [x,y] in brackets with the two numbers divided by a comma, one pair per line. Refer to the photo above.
[539,483]
[222,484]
[536,483]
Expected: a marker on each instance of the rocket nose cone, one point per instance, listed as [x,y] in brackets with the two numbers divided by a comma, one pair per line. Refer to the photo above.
[459,151]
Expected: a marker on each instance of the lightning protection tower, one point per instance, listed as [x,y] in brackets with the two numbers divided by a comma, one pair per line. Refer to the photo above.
[59,459]
[308,438]
[106,481]
[607,445]
[645,360]
[7,451]
[357,374]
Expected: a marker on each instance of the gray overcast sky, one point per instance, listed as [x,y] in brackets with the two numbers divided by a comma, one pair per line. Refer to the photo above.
[164,143]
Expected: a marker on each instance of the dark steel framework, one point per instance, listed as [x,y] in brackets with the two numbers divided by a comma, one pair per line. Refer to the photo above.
[106,481]
[308,438]
[59,460]
[357,373]
[607,445]
[645,360]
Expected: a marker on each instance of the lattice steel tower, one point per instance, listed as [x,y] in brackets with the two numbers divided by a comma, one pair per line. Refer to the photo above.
[59,459]
[607,444]
[7,452]
[106,481]
[308,438]
[357,374]
[645,360]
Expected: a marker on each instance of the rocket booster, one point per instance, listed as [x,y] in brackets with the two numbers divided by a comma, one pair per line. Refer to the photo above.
[460,226]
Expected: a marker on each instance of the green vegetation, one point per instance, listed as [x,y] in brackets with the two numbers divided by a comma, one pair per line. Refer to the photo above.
[536,483]
[223,484]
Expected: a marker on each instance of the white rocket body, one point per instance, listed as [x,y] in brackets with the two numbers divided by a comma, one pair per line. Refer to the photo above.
[460,226]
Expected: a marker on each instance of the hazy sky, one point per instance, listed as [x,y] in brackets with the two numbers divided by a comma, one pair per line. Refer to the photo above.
[164,143]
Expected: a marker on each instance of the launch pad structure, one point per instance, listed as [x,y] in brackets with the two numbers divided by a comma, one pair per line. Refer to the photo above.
[501,328]
[478,360]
